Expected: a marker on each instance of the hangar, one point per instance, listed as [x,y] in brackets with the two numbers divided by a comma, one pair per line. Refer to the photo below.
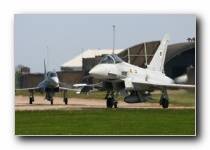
[179,57]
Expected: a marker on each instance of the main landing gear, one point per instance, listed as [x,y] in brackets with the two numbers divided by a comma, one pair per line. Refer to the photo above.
[65,97]
[51,101]
[112,100]
[164,100]
[49,97]
[31,97]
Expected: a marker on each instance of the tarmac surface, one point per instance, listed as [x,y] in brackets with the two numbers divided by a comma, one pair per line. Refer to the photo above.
[22,103]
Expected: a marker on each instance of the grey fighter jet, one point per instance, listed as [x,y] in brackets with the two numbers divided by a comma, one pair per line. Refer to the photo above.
[50,85]
[133,82]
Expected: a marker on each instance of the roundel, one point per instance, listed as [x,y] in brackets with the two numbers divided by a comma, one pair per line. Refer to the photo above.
[160,53]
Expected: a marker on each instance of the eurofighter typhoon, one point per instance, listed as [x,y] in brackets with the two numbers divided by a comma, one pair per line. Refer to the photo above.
[133,82]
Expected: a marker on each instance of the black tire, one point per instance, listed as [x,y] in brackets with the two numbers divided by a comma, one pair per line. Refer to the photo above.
[109,103]
[165,103]
[51,102]
[116,104]
[30,100]
[66,101]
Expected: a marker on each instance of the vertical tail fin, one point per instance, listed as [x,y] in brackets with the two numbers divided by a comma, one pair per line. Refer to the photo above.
[157,63]
[45,70]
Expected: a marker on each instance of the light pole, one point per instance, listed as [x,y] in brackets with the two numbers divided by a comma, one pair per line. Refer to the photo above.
[113,39]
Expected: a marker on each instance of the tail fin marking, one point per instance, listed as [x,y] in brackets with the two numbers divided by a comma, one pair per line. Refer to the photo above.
[157,63]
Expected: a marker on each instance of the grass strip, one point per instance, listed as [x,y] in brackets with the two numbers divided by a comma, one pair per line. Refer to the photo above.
[106,122]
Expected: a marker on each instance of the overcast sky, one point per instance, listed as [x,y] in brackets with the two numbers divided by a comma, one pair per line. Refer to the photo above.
[58,38]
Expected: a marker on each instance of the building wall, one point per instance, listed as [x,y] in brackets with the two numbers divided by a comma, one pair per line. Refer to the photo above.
[191,75]
[88,63]
[70,78]
[30,80]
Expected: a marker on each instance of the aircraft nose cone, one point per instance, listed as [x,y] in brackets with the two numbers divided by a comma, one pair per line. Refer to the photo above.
[54,81]
[99,71]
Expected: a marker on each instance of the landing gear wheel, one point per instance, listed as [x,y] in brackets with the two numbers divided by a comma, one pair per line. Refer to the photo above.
[165,103]
[51,102]
[66,101]
[109,103]
[31,100]
[116,104]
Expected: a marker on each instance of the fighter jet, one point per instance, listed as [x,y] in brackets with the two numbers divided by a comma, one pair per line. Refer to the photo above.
[50,85]
[133,82]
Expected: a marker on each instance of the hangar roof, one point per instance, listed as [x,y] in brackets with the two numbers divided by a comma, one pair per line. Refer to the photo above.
[144,52]
[140,54]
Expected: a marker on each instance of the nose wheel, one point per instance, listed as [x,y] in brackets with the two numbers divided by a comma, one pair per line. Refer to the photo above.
[116,104]
[65,97]
[112,100]
[31,97]
[49,97]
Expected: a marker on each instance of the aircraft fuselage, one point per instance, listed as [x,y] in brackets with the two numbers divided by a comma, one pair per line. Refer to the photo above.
[50,85]
[127,73]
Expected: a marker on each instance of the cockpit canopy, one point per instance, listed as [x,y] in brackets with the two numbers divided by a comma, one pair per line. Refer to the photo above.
[110,59]
[52,74]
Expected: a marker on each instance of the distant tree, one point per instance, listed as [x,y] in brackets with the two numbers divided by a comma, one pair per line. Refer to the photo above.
[193,39]
[17,78]
[18,67]
[18,75]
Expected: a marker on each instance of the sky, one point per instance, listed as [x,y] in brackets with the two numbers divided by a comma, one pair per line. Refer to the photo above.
[59,38]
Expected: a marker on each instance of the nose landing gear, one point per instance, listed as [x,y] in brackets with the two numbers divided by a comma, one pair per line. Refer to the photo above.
[112,100]
[31,97]
[65,97]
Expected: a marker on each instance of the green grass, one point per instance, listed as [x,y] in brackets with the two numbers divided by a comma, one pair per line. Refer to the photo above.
[178,98]
[106,122]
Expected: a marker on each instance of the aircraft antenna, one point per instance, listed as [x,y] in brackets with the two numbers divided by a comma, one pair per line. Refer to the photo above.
[113,39]
[45,71]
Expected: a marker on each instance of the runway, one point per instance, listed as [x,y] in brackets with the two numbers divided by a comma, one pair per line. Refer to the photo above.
[22,103]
